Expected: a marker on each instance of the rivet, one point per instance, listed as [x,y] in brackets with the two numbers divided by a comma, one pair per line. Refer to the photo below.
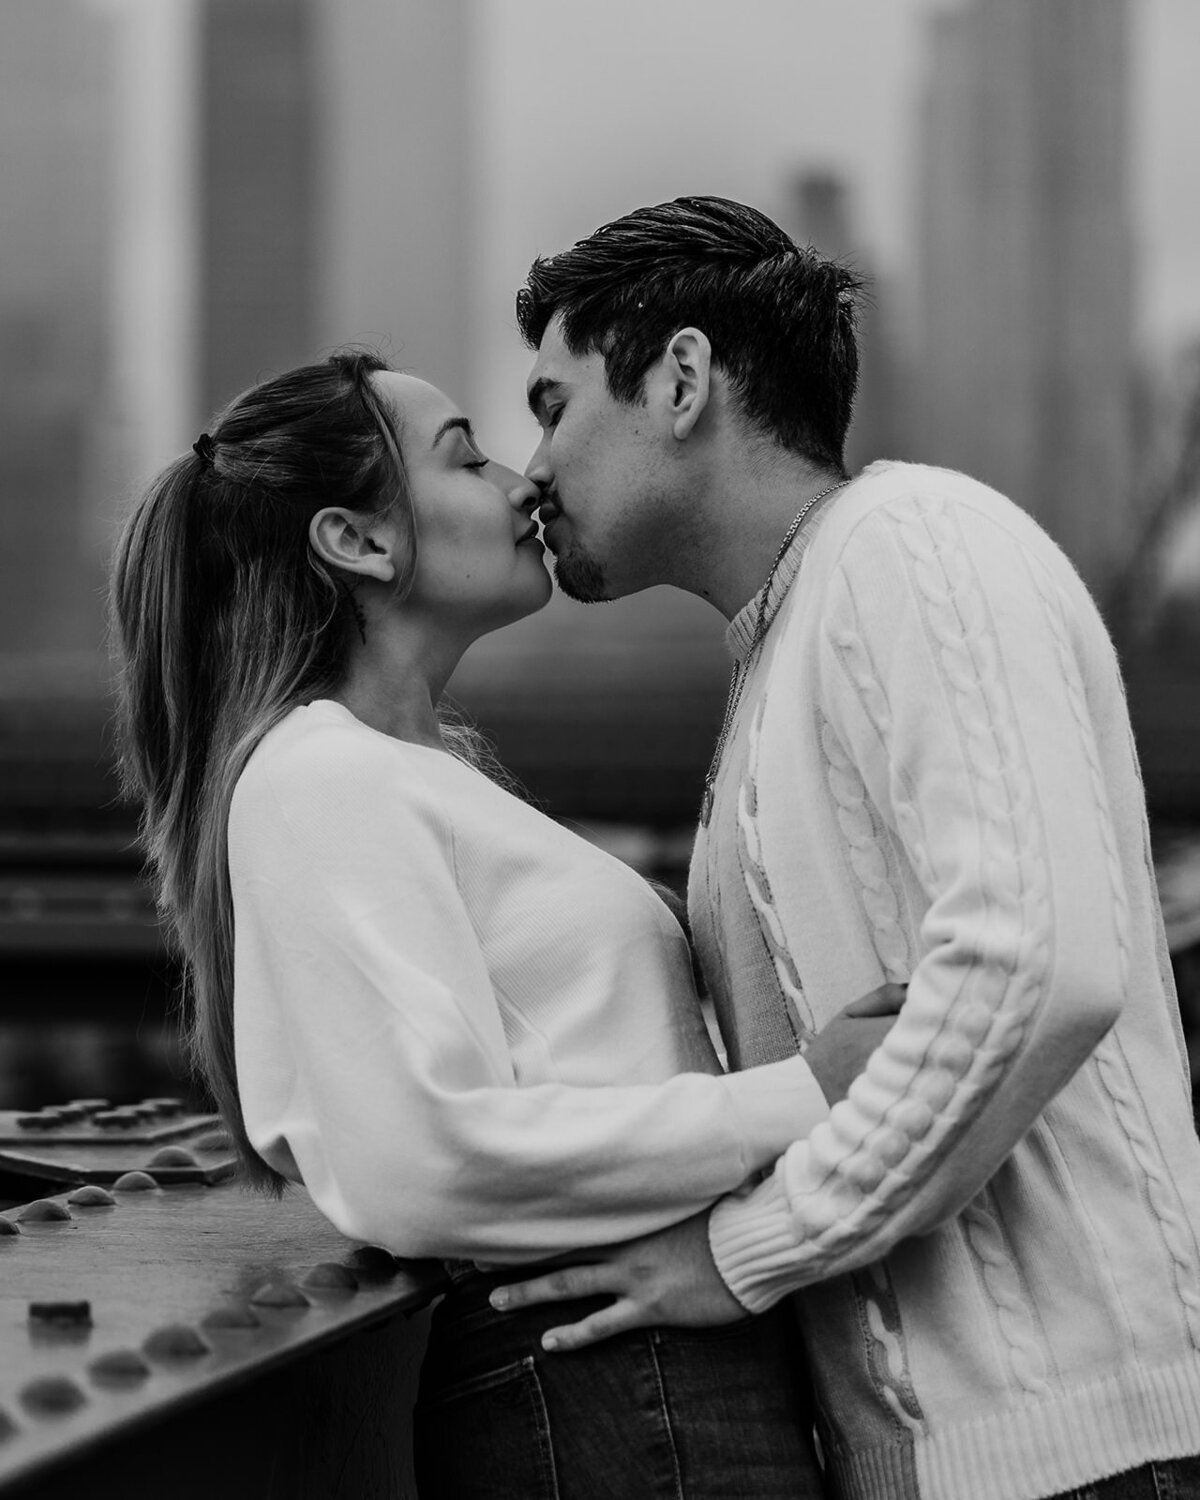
[279,1294]
[8,1428]
[67,1314]
[215,1140]
[373,1261]
[44,1211]
[91,1196]
[231,1316]
[164,1106]
[119,1367]
[7,1227]
[51,1395]
[32,1122]
[115,1119]
[328,1277]
[172,1156]
[90,1106]
[134,1182]
[175,1341]
[70,1113]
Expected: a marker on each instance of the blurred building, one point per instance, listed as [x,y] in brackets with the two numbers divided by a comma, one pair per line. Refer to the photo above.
[1025,259]
[821,215]
[56,85]
[196,194]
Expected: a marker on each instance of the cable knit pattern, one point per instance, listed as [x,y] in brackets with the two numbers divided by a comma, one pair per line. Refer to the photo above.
[859,826]
[1114,1072]
[985,1235]
[758,888]
[887,1359]
[880,1143]
[1052,599]
[1110,1061]
[942,746]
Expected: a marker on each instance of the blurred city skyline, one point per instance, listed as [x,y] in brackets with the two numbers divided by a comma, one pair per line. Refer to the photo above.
[200,192]
[742,102]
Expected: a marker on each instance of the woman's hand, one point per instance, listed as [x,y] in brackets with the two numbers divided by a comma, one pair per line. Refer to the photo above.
[839,1052]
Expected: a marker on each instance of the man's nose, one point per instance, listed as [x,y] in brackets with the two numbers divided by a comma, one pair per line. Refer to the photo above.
[538,468]
[523,493]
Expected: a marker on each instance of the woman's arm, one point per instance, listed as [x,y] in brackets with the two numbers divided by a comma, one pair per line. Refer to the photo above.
[371,1049]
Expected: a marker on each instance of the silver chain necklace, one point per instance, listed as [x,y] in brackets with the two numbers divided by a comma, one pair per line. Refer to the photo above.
[741,669]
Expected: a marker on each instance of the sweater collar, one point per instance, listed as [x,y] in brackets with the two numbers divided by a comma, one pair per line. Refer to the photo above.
[739,636]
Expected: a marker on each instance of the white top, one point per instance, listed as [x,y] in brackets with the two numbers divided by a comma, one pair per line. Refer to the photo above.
[434,983]
[932,780]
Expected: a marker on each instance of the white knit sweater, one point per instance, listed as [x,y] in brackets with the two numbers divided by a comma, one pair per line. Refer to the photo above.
[434,983]
[932,780]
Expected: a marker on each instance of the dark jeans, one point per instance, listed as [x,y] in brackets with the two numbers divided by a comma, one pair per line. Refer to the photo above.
[1174,1479]
[682,1414]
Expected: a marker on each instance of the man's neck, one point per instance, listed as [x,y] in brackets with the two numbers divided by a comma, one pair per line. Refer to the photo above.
[743,537]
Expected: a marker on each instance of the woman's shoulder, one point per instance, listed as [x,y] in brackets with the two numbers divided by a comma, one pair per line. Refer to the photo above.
[308,746]
[321,764]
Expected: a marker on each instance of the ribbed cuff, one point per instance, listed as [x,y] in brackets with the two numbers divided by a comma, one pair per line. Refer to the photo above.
[753,1243]
[775,1105]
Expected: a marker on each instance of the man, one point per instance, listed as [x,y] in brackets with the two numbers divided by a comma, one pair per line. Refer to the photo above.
[925,776]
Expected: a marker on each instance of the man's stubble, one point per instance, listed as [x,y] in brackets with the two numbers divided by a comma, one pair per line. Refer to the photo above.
[580,577]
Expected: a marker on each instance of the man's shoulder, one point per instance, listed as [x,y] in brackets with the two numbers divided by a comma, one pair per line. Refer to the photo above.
[889,494]
[889,484]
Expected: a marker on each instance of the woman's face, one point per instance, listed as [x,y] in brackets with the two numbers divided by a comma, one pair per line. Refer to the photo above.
[479,561]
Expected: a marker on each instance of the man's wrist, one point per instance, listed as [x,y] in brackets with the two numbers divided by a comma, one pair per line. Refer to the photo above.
[753,1243]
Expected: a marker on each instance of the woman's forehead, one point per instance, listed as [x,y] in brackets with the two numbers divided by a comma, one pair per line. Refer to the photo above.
[420,407]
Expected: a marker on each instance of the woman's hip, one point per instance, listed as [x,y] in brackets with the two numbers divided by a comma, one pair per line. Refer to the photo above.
[690,1414]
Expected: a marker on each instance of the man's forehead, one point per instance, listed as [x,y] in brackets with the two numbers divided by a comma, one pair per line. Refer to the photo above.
[554,360]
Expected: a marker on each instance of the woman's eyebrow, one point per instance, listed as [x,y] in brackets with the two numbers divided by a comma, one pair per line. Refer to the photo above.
[463,424]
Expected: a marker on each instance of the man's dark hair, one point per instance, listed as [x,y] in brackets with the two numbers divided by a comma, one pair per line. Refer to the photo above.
[781,319]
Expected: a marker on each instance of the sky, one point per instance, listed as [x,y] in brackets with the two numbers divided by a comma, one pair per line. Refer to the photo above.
[586,111]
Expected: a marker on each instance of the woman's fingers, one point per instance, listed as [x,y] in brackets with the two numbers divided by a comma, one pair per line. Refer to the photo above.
[618,1318]
[556,1286]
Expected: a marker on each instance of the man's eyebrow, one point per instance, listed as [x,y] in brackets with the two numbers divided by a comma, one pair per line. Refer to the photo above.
[539,390]
[462,424]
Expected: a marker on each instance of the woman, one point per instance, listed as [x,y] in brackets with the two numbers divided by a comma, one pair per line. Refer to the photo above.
[469,1033]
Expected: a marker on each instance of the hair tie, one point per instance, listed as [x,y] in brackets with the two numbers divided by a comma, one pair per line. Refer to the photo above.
[204,449]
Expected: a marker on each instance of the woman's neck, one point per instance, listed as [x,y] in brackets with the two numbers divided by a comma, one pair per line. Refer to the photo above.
[393,685]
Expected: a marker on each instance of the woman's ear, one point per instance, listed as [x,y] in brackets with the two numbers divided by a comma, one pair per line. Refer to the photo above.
[687,366]
[353,543]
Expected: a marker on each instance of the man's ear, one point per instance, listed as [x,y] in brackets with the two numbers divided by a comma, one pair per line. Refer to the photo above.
[353,543]
[687,368]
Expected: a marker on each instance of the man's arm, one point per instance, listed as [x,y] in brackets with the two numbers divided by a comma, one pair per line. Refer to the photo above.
[955,705]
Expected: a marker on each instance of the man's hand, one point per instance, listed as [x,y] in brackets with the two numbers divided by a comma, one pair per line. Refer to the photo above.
[663,1278]
[670,1277]
[839,1051]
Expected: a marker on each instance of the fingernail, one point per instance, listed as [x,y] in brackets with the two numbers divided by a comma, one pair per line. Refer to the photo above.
[550,1341]
[499,1300]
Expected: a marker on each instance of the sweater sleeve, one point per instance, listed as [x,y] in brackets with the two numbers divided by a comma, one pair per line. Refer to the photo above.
[371,1053]
[954,703]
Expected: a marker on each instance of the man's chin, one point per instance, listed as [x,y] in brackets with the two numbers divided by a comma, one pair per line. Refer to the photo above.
[580,578]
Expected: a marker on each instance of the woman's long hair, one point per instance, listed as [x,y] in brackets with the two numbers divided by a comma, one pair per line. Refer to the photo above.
[224,621]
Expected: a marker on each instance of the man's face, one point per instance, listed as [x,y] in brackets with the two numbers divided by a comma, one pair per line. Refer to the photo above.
[598,465]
